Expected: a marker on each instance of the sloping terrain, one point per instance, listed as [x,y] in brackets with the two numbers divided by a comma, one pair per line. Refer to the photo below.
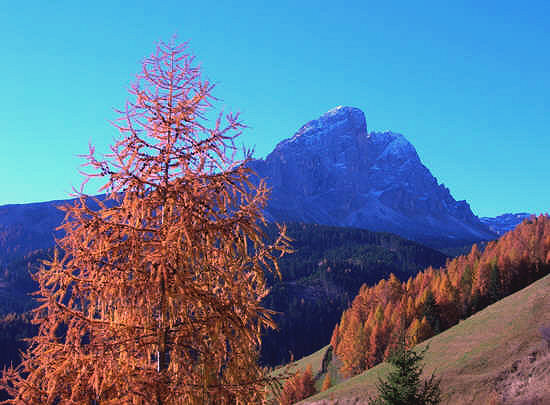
[25,228]
[323,275]
[496,355]
[319,279]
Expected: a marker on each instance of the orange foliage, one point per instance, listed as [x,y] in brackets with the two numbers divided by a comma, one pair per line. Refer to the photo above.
[354,343]
[466,284]
[156,298]
[327,383]
[298,387]
[419,331]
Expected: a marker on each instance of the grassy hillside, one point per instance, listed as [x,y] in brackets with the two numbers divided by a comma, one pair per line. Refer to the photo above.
[495,355]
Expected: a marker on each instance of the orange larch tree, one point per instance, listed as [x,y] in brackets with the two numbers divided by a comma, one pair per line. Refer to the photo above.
[300,386]
[327,382]
[156,297]
[353,346]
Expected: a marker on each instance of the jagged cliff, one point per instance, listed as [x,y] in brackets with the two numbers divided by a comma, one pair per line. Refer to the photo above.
[334,172]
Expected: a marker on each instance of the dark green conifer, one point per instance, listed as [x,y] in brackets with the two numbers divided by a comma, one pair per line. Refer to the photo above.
[403,385]
[494,289]
[431,312]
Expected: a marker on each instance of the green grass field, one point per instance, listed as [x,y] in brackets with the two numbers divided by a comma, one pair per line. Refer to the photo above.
[497,352]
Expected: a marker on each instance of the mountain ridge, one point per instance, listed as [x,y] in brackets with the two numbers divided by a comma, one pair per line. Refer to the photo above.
[505,222]
[334,172]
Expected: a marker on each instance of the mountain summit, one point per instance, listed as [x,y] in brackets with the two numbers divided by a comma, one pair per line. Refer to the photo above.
[334,172]
[331,172]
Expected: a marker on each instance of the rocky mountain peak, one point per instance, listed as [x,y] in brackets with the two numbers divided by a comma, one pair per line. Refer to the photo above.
[339,118]
[333,172]
[392,144]
[339,127]
[340,135]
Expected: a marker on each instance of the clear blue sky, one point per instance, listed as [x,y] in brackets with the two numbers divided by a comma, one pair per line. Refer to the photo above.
[468,83]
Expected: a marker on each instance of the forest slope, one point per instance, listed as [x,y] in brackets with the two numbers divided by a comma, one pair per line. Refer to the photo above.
[434,300]
[496,354]
[321,277]
[318,281]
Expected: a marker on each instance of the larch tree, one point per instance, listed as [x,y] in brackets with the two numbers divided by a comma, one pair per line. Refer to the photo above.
[156,295]
[297,387]
[327,382]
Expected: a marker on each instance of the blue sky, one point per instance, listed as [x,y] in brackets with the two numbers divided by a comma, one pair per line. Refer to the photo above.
[467,83]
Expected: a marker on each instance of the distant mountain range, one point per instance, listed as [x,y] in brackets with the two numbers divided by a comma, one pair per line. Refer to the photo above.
[331,172]
[334,172]
[27,227]
[505,222]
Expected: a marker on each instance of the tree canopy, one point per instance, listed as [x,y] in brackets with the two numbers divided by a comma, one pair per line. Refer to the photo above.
[155,297]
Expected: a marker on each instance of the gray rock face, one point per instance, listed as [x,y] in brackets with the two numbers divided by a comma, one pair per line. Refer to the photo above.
[333,172]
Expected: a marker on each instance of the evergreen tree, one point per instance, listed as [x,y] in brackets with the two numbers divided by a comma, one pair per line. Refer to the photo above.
[403,385]
[494,289]
[431,312]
